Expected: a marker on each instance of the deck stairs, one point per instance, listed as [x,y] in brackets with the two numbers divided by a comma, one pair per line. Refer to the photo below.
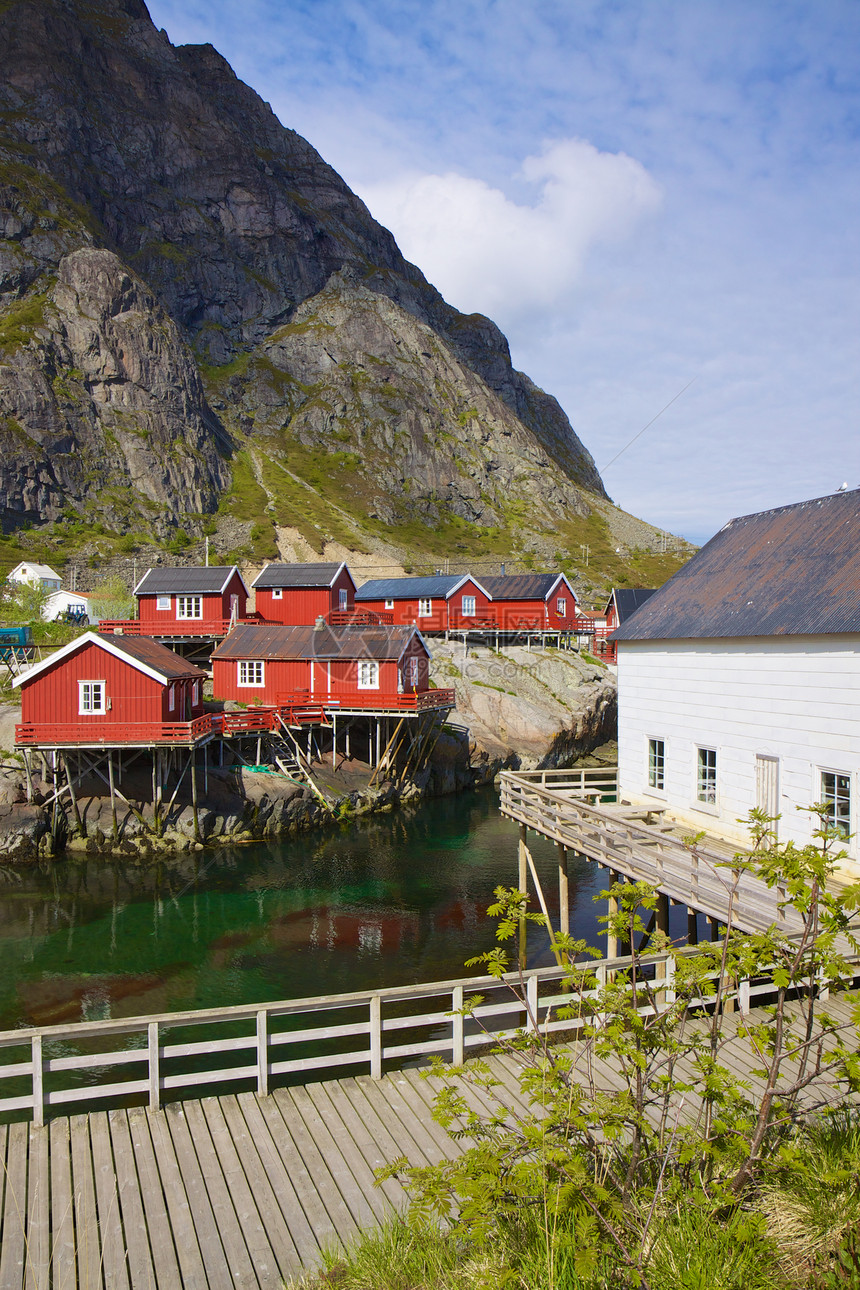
[292,762]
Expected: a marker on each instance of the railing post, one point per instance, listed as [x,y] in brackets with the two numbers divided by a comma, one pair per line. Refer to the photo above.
[532,997]
[669,994]
[262,1053]
[154,1067]
[744,995]
[458,1033]
[38,1081]
[375,1036]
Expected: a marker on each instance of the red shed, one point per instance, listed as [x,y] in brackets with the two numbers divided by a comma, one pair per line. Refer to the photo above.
[365,667]
[299,594]
[176,602]
[446,602]
[532,602]
[111,690]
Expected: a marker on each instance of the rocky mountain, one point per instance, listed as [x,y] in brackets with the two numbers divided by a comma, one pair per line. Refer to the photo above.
[198,316]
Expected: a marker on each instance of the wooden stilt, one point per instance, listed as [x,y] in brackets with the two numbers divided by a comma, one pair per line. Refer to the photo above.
[378,741]
[112,796]
[612,939]
[334,740]
[79,824]
[194,811]
[563,891]
[523,885]
[159,792]
[28,774]
[692,927]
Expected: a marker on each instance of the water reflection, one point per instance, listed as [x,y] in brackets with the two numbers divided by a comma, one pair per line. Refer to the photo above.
[392,900]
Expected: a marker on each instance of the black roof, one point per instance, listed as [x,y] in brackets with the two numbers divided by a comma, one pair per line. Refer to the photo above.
[440,585]
[189,580]
[249,641]
[522,586]
[628,600]
[298,575]
[793,571]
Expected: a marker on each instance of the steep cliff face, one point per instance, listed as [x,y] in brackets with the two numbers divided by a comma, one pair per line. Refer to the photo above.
[156,215]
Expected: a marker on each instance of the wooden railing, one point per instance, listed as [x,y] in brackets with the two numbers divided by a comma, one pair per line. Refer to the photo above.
[138,1059]
[360,618]
[700,877]
[173,626]
[113,733]
[371,700]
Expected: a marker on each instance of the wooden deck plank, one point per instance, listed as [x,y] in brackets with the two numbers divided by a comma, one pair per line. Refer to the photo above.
[218,1275]
[62,1207]
[114,1264]
[13,1249]
[354,1145]
[302,1184]
[338,1221]
[38,1212]
[166,1202]
[239,1204]
[263,1193]
[333,1147]
[141,1271]
[370,1141]
[221,1242]
[420,1141]
[87,1237]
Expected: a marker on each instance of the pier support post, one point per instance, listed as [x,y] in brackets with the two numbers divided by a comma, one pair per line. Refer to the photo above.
[112,796]
[194,811]
[612,939]
[158,778]
[563,891]
[523,885]
[692,927]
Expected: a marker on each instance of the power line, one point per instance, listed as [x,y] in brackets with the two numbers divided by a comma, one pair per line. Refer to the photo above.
[604,469]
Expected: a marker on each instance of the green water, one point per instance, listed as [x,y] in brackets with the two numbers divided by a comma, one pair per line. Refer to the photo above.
[392,900]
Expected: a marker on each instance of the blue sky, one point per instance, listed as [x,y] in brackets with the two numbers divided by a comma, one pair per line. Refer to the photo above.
[642,196]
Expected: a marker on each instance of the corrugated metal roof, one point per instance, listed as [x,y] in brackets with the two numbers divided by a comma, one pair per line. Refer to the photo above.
[520,586]
[442,585]
[793,571]
[629,599]
[143,649]
[190,581]
[275,642]
[297,575]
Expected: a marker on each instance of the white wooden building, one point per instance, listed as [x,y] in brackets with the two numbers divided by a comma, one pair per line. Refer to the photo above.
[739,680]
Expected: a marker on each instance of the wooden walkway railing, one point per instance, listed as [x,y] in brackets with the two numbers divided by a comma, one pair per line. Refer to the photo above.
[579,814]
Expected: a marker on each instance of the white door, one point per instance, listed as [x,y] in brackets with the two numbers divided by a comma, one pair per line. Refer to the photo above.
[234,608]
[767,785]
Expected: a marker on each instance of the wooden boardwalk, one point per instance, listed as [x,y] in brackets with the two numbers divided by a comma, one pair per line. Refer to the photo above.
[238,1191]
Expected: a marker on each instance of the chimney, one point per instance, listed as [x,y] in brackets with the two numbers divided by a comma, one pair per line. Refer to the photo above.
[319,624]
[502,570]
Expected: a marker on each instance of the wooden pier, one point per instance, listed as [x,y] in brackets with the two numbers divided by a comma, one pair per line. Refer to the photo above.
[239,1190]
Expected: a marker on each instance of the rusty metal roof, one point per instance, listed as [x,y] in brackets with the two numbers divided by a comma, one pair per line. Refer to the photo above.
[793,571]
[275,642]
[157,656]
[298,575]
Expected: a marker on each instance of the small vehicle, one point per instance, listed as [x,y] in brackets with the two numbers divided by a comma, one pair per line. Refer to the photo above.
[78,617]
[16,644]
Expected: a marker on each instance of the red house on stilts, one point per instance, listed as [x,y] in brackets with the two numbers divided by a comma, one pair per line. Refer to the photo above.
[297,594]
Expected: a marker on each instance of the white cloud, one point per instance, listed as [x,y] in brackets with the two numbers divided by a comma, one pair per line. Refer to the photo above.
[487,253]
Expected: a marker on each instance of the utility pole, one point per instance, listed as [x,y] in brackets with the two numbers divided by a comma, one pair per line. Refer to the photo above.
[586,550]
[207,552]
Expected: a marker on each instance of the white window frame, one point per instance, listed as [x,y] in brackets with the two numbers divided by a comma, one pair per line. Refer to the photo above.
[707,769]
[425,607]
[469,606]
[196,606]
[250,673]
[162,603]
[195,694]
[838,796]
[171,698]
[277,593]
[342,598]
[389,604]
[414,671]
[656,764]
[92,698]
[561,606]
[368,674]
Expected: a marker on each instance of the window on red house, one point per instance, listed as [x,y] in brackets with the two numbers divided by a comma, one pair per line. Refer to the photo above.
[343,597]
[561,607]
[91,698]
[251,672]
[189,606]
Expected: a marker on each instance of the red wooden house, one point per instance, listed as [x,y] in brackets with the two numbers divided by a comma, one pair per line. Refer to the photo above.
[542,602]
[111,690]
[446,602]
[190,602]
[378,668]
[298,594]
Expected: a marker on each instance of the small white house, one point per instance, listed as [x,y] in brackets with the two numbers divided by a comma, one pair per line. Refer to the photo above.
[38,575]
[739,680]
